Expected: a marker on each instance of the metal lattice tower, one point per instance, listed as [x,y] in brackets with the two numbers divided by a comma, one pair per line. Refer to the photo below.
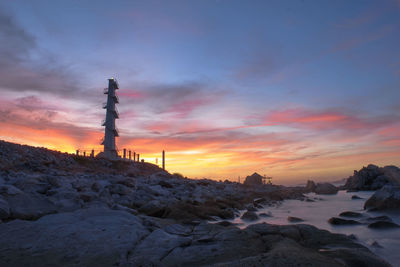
[110,149]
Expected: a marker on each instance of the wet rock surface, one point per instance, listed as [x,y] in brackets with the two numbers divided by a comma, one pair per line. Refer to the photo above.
[383,225]
[340,221]
[294,219]
[351,214]
[62,210]
[386,198]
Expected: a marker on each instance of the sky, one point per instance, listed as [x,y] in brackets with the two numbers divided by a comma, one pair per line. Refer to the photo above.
[295,89]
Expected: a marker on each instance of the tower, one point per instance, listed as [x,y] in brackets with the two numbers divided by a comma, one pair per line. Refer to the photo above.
[110,149]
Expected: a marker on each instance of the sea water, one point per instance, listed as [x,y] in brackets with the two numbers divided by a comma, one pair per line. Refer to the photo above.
[317,213]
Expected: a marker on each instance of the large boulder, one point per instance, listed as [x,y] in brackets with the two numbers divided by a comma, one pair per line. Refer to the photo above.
[4,209]
[325,189]
[373,177]
[88,237]
[29,207]
[254,179]
[387,198]
[310,187]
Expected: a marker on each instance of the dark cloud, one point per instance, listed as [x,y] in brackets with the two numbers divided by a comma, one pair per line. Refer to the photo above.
[20,72]
[179,98]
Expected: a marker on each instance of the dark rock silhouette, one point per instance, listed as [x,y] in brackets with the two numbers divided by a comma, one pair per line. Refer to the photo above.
[321,188]
[249,216]
[340,221]
[351,214]
[326,189]
[373,177]
[294,219]
[383,225]
[310,186]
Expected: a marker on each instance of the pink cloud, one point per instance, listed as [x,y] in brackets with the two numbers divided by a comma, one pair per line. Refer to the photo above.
[133,94]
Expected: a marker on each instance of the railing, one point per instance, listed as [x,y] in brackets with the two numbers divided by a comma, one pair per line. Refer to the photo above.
[116,132]
[102,141]
[116,114]
[105,105]
[103,123]
[105,91]
[116,99]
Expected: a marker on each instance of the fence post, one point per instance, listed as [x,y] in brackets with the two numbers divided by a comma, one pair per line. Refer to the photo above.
[124,153]
[92,154]
[130,155]
[163,159]
[138,157]
[134,156]
[84,153]
[77,152]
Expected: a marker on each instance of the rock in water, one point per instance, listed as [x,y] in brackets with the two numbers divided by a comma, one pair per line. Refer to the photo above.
[387,198]
[254,179]
[351,214]
[340,221]
[310,187]
[294,219]
[325,189]
[383,225]
[249,216]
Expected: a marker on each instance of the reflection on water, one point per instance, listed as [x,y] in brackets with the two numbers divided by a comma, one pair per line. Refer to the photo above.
[326,206]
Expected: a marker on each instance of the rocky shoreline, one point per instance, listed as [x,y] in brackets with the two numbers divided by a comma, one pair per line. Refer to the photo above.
[59,209]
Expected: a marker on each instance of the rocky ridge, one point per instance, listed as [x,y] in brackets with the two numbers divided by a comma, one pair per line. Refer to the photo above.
[59,209]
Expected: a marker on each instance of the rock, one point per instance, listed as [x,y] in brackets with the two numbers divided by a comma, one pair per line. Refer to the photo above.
[87,196]
[99,186]
[340,221]
[325,189]
[310,187]
[157,246]
[165,184]
[254,179]
[225,223]
[351,214]
[294,219]
[380,218]
[153,208]
[94,237]
[387,198]
[119,189]
[249,216]
[29,207]
[250,207]
[9,190]
[383,225]
[373,177]
[356,197]
[375,244]
[4,209]
[265,215]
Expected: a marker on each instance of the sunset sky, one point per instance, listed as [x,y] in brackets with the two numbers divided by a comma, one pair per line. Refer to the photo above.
[291,89]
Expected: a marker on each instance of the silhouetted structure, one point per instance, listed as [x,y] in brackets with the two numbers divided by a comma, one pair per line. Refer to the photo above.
[254,179]
[163,159]
[110,149]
